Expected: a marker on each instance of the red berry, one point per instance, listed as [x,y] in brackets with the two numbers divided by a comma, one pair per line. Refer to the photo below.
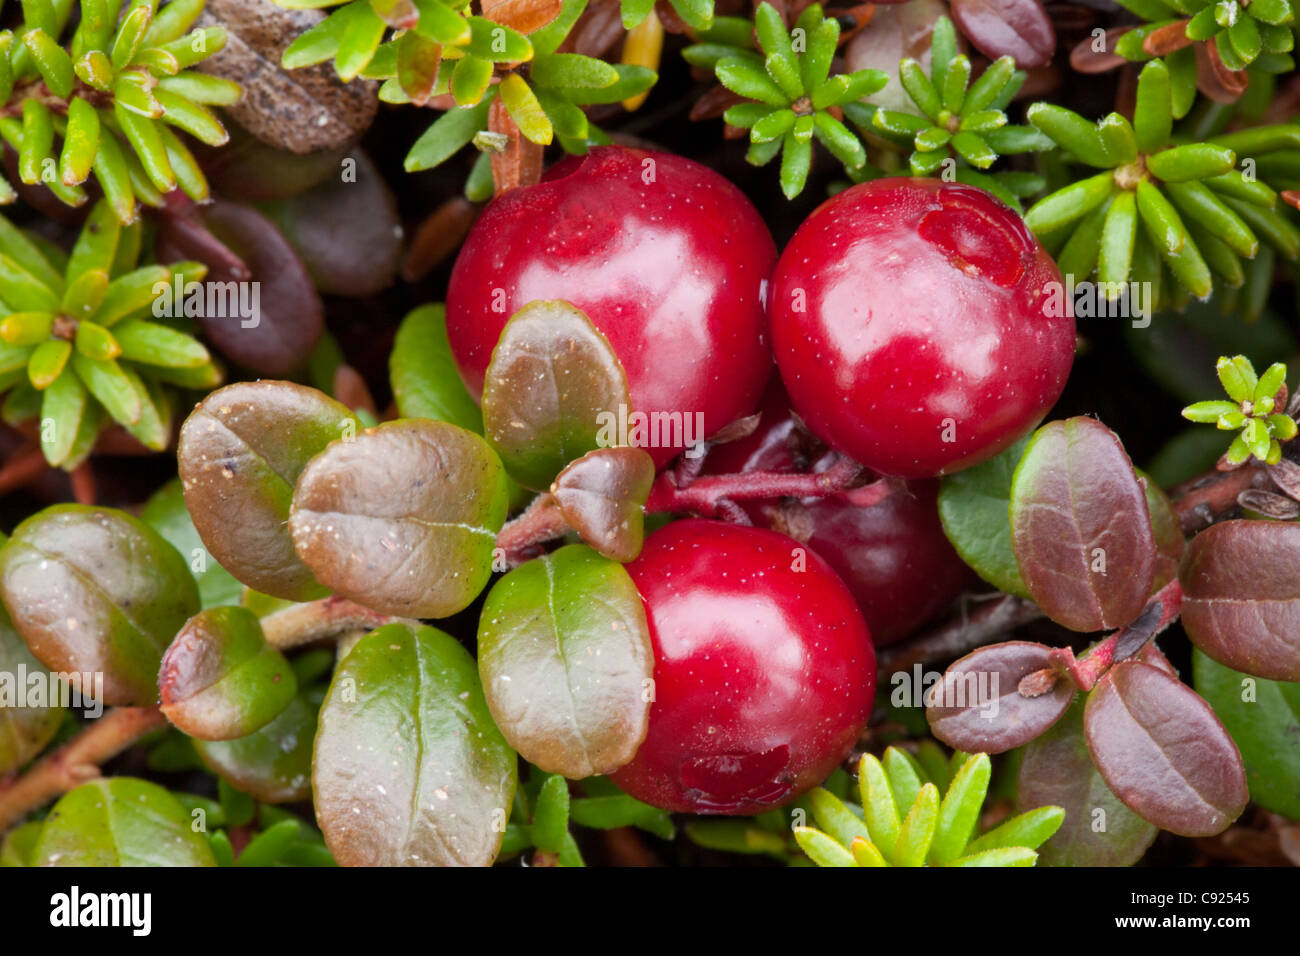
[894,556]
[764,670]
[911,324]
[668,260]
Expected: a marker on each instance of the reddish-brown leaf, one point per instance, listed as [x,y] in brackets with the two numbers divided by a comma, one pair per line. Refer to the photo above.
[1085,58]
[1167,39]
[522,15]
[1241,603]
[978,706]
[437,237]
[1080,527]
[601,496]
[1018,28]
[1162,751]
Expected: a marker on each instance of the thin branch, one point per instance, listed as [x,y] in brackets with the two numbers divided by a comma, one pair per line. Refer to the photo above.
[77,761]
[712,496]
[1204,500]
[329,617]
[961,635]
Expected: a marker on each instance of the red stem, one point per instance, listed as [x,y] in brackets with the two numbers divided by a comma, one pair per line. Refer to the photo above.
[1086,671]
[704,496]
[711,497]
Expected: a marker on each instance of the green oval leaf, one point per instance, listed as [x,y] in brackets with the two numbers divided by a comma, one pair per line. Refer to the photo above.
[241,452]
[551,377]
[402,518]
[425,381]
[565,657]
[165,513]
[19,844]
[1080,526]
[409,768]
[1241,596]
[24,730]
[975,508]
[220,679]
[1263,717]
[120,821]
[274,763]
[96,590]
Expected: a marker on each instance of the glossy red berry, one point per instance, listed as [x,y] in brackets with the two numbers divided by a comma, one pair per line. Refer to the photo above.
[914,327]
[894,556]
[667,258]
[764,671]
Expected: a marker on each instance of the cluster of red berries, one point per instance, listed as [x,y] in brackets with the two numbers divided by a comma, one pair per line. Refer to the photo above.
[907,325]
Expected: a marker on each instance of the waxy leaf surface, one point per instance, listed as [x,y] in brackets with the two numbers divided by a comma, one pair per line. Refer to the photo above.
[220,679]
[1162,751]
[564,654]
[240,455]
[551,377]
[402,518]
[120,821]
[1080,526]
[409,768]
[977,706]
[1057,769]
[1241,596]
[96,590]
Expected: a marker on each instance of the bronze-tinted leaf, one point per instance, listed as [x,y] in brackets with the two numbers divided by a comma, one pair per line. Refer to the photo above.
[95,590]
[602,496]
[259,308]
[240,454]
[978,706]
[248,170]
[1241,596]
[1057,770]
[1166,532]
[1162,751]
[346,230]
[552,380]
[298,110]
[1016,28]
[1080,526]
[409,768]
[565,657]
[896,32]
[1166,39]
[522,15]
[220,679]
[403,517]
[1087,58]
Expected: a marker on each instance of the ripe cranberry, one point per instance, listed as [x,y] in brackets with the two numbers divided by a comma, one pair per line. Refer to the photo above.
[668,260]
[894,557]
[912,324]
[764,670]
